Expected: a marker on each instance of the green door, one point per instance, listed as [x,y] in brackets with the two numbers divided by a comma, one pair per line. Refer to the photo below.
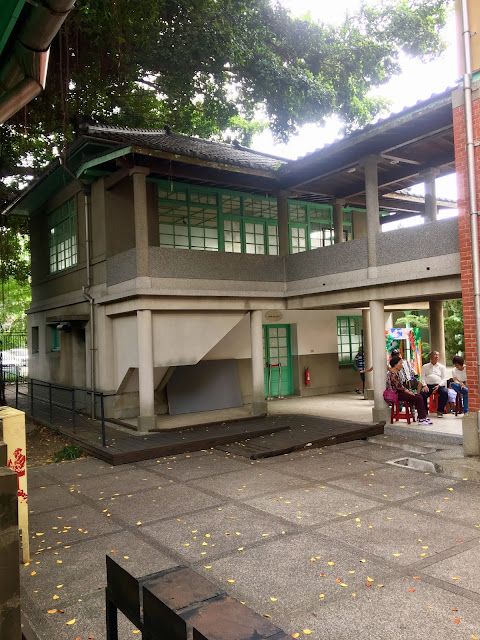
[276,350]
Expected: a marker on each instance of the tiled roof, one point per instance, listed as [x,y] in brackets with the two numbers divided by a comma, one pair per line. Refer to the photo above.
[169,142]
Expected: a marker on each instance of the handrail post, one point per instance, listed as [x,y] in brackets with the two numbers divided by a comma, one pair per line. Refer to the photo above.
[31,396]
[73,410]
[50,411]
[16,392]
[102,412]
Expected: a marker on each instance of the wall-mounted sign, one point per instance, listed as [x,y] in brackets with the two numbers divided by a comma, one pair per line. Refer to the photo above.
[273,316]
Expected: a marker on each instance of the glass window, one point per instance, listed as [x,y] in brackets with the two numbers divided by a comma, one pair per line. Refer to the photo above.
[297,212]
[298,238]
[232,236]
[62,237]
[55,339]
[35,340]
[231,205]
[349,337]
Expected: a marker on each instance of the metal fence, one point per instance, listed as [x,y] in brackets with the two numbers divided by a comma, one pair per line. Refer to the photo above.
[13,359]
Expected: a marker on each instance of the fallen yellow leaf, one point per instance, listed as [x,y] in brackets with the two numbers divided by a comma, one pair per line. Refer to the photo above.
[307,632]
[72,621]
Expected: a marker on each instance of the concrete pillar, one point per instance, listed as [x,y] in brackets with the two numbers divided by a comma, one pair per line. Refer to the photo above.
[338,221]
[373,220]
[380,411]
[282,214]
[10,621]
[259,404]
[139,175]
[437,331]
[146,390]
[431,210]
[367,351]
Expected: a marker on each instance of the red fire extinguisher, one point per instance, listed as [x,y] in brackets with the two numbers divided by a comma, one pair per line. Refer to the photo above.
[307,377]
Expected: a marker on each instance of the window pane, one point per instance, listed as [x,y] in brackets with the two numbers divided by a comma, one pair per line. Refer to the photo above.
[62,237]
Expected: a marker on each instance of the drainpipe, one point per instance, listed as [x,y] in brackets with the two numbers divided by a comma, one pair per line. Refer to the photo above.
[24,73]
[467,89]
[85,291]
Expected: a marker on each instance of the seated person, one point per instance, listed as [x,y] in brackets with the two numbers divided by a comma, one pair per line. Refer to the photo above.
[459,375]
[407,373]
[434,379]
[405,395]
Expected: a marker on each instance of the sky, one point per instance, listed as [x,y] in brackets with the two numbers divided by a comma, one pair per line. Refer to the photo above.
[418,81]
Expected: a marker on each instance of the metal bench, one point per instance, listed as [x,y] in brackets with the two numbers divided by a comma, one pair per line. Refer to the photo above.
[171,603]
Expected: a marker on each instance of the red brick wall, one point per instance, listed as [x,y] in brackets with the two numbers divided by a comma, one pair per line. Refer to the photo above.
[471,351]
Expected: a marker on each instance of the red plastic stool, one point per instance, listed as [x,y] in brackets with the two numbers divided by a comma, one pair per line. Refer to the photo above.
[433,403]
[396,414]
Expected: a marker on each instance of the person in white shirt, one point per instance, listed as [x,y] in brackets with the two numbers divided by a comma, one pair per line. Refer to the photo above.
[434,379]
[459,375]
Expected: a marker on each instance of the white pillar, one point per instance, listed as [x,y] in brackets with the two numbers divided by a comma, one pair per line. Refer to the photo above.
[146,390]
[139,175]
[380,410]
[367,352]
[430,195]
[338,221]
[373,220]
[259,404]
[282,215]
[437,330]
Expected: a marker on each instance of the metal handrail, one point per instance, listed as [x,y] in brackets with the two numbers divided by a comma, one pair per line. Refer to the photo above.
[32,382]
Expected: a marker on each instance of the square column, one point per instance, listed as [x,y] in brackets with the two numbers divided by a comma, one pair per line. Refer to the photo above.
[146,389]
[373,222]
[282,215]
[338,221]
[437,329]
[380,411]
[431,209]
[259,404]
[367,352]
[139,175]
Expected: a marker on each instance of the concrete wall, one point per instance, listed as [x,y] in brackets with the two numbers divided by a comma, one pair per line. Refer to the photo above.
[313,344]
[428,240]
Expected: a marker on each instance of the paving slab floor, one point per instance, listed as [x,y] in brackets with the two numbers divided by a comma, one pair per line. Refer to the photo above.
[332,543]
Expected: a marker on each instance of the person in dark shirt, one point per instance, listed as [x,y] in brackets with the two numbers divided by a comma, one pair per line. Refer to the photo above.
[359,366]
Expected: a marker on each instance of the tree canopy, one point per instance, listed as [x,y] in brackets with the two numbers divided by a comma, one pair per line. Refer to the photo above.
[205,66]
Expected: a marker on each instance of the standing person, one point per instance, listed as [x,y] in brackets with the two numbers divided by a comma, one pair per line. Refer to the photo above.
[404,395]
[459,375]
[434,379]
[359,366]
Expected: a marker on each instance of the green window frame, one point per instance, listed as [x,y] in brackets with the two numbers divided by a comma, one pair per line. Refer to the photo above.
[310,226]
[62,237]
[194,217]
[188,217]
[216,220]
[55,341]
[349,338]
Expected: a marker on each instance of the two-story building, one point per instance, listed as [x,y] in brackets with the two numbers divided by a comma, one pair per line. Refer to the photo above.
[168,270]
